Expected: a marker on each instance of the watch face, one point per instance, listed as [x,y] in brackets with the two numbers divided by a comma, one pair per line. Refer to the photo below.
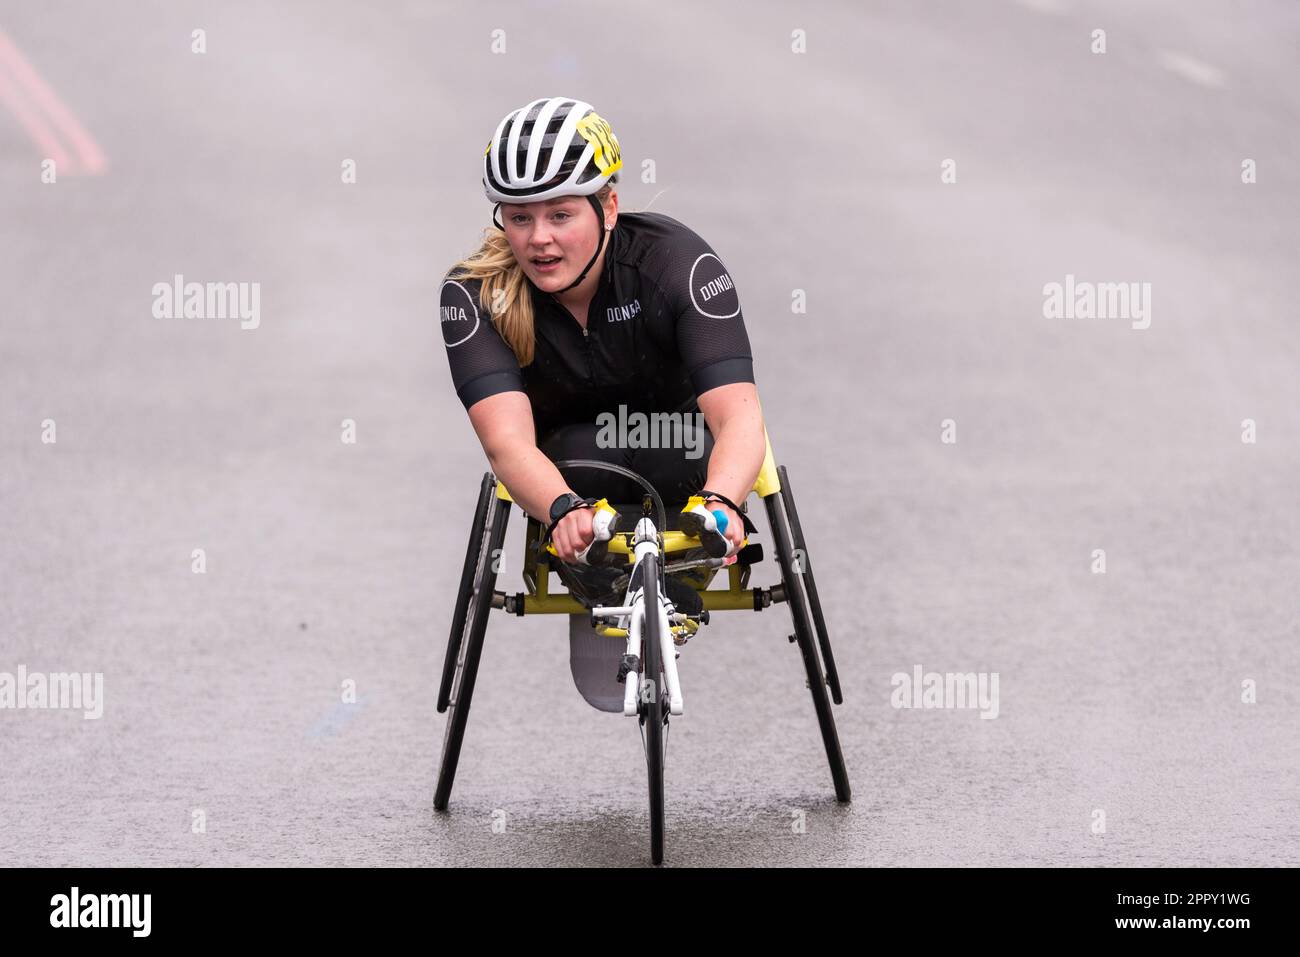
[561,505]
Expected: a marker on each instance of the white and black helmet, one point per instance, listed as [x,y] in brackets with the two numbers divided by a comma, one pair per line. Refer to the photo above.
[555,146]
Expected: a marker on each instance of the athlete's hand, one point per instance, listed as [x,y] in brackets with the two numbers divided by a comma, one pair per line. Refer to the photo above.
[573,534]
[735,533]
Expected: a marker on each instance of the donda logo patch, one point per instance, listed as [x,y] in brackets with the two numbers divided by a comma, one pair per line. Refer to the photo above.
[459,313]
[623,313]
[712,292]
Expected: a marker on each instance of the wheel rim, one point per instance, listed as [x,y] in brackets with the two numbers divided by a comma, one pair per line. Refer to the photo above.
[653,720]
[453,700]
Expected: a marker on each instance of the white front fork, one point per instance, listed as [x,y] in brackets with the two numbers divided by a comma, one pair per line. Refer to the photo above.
[631,684]
[667,650]
[667,654]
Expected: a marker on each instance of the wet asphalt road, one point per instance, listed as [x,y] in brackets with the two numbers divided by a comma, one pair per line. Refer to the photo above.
[330,563]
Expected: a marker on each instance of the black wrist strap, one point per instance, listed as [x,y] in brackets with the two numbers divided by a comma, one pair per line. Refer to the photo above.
[584,503]
[750,528]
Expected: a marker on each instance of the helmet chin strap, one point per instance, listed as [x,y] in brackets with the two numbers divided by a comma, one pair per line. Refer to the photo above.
[600,243]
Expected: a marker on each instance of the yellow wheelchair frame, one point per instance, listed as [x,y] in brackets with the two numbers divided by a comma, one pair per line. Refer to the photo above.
[478,596]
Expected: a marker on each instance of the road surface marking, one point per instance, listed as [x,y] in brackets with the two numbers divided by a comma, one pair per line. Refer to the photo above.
[1190,68]
[44,116]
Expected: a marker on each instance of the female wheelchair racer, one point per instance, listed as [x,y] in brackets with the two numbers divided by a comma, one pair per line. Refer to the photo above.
[569,311]
[649,329]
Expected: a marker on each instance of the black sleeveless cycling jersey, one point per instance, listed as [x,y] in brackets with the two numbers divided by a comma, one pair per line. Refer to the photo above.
[663,328]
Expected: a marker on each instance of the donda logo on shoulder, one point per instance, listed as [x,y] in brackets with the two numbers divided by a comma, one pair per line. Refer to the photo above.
[459,313]
[712,292]
[716,286]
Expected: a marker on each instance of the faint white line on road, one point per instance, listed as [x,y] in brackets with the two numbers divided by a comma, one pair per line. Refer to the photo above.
[1190,68]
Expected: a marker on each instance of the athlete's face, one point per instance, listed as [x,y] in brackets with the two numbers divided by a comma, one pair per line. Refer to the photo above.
[553,240]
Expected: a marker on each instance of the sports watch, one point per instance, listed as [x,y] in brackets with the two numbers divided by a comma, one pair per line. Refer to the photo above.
[565,504]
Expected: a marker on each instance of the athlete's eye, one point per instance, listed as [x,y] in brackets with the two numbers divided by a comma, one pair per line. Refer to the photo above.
[518,219]
[563,214]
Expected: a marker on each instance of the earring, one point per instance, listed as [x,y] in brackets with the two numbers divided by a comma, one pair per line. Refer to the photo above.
[609,226]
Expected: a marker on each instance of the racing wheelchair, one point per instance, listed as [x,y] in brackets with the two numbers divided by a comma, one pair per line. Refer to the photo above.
[663,575]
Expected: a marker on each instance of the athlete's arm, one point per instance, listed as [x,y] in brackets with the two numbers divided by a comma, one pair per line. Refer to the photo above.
[712,341]
[487,379]
[739,446]
[504,424]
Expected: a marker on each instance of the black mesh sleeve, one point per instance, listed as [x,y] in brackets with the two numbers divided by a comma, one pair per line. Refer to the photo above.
[710,328]
[482,364]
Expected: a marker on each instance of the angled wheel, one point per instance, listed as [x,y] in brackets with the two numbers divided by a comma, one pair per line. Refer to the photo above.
[803,630]
[465,668]
[654,715]
[478,531]
[804,564]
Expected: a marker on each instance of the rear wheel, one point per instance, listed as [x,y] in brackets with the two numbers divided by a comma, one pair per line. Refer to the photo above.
[478,531]
[654,715]
[803,566]
[465,669]
[805,636]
